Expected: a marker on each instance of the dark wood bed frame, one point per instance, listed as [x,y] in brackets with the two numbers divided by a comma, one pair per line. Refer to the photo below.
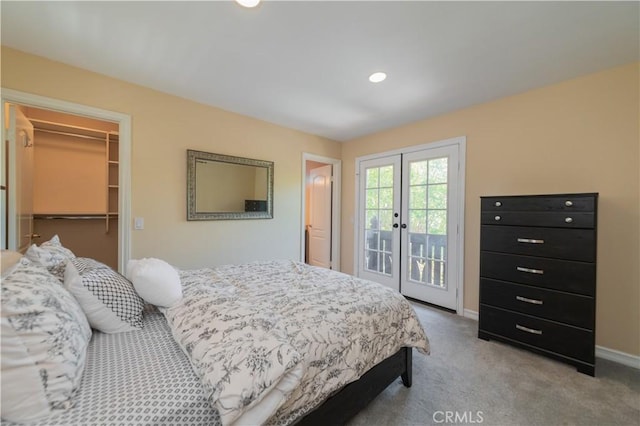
[352,398]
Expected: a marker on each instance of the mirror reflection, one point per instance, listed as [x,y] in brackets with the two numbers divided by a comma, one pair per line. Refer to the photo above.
[226,187]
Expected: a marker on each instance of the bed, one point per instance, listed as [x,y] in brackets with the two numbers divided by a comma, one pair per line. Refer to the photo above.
[149,375]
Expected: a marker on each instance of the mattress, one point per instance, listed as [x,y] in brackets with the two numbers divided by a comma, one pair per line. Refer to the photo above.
[138,378]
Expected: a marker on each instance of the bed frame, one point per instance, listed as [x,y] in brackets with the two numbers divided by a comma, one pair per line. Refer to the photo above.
[352,398]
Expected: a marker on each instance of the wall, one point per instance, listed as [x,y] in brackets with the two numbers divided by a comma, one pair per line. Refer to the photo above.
[581,135]
[163,128]
[59,188]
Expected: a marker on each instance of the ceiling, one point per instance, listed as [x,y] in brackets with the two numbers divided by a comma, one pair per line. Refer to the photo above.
[305,64]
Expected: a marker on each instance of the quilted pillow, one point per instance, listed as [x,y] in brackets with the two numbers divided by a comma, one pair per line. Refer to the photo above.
[52,255]
[107,298]
[44,341]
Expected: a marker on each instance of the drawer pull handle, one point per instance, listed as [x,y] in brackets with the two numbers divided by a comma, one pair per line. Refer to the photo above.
[568,203]
[528,330]
[529,270]
[532,301]
[530,241]
[498,203]
[497,218]
[568,220]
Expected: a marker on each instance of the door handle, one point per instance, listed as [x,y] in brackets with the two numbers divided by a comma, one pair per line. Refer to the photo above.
[404,226]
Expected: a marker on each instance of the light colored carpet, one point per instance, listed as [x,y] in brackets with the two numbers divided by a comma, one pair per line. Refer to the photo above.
[477,382]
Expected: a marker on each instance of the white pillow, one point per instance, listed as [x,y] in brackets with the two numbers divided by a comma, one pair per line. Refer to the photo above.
[156,281]
[44,344]
[106,297]
[52,255]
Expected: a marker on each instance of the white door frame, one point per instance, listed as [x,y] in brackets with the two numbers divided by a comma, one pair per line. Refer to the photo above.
[335,208]
[124,122]
[461,142]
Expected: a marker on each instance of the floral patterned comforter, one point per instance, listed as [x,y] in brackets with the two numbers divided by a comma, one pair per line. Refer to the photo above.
[272,340]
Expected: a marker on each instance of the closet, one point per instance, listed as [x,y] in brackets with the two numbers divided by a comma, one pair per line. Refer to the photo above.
[75,183]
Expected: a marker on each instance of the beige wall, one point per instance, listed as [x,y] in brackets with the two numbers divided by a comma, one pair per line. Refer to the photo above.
[68,175]
[578,136]
[163,128]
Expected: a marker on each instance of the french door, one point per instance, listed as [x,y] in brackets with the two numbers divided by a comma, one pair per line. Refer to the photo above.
[408,223]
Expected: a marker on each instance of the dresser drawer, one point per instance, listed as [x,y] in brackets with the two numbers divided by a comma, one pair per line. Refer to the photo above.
[549,304]
[562,339]
[551,220]
[541,203]
[571,244]
[563,275]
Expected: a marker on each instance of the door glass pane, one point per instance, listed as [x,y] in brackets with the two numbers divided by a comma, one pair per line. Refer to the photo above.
[372,177]
[379,219]
[386,198]
[428,189]
[418,197]
[372,198]
[386,220]
[438,196]
[438,170]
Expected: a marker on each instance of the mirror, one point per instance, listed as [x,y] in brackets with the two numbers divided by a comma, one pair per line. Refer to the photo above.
[222,187]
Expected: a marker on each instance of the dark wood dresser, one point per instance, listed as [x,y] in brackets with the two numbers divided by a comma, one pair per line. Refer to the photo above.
[538,274]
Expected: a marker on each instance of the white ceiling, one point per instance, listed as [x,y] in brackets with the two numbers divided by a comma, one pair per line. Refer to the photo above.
[305,64]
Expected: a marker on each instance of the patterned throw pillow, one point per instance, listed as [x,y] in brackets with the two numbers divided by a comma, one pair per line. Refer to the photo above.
[107,298]
[52,255]
[44,342]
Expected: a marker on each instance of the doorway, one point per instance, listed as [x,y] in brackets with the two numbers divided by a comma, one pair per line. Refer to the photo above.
[410,207]
[320,242]
[114,212]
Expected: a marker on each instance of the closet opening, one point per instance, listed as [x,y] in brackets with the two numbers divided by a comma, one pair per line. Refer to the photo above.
[62,177]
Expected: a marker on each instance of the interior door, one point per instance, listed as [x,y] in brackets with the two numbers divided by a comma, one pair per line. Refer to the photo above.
[379,220]
[19,184]
[320,216]
[429,209]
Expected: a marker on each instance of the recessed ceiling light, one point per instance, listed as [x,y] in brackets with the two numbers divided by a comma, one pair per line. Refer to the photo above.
[248,3]
[377,77]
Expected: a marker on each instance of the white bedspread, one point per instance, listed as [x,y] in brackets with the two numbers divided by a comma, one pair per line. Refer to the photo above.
[272,340]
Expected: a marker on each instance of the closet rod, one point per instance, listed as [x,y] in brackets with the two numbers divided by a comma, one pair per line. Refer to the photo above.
[73,217]
[70,134]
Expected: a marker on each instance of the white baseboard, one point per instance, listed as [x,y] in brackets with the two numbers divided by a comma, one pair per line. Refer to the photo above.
[619,357]
[468,313]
